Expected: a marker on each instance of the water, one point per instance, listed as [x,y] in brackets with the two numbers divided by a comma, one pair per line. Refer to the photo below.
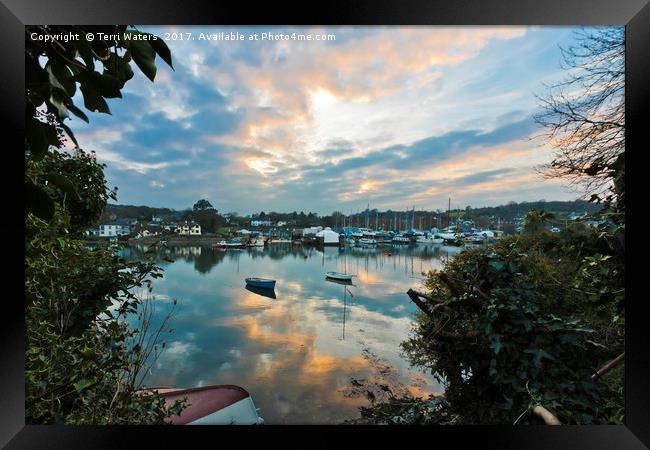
[295,353]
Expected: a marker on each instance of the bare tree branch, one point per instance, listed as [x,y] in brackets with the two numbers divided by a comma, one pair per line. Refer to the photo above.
[583,116]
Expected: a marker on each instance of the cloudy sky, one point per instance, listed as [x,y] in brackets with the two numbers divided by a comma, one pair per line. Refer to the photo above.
[394,117]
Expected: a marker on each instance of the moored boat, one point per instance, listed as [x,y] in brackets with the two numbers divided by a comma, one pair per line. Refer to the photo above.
[367,241]
[429,239]
[401,240]
[279,241]
[266,283]
[229,244]
[339,276]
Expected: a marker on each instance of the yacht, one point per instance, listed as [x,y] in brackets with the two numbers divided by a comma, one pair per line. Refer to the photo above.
[429,239]
[368,238]
[401,240]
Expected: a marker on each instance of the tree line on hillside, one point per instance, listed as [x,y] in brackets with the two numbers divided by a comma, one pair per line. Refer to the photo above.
[211,220]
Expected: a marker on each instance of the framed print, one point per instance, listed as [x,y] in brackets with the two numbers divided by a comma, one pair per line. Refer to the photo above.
[322,220]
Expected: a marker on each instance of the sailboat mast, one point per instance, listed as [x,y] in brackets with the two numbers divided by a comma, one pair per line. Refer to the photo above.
[367,215]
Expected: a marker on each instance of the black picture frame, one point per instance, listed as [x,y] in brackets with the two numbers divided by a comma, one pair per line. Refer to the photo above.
[15,14]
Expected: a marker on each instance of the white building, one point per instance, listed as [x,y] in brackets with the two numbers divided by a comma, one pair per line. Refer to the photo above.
[328,237]
[186,228]
[113,229]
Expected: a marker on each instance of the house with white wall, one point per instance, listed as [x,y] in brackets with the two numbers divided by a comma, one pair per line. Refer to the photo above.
[186,228]
[113,229]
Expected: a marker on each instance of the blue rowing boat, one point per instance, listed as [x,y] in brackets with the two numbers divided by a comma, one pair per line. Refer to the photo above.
[261,282]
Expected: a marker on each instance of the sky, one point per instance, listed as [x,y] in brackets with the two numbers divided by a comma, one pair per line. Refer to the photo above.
[397,117]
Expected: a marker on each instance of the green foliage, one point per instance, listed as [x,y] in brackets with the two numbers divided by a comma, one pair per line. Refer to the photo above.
[520,326]
[53,69]
[69,285]
[81,366]
[615,398]
[202,205]
[513,332]
[535,220]
[85,379]
[74,180]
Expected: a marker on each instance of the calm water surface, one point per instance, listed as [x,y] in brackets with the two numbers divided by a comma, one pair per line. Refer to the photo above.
[294,353]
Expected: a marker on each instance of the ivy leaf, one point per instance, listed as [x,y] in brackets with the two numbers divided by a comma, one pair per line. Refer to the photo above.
[82,384]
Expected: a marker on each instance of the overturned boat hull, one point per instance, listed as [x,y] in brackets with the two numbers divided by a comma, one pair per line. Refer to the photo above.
[212,405]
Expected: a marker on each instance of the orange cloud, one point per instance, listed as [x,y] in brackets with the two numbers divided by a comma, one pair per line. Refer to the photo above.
[280,104]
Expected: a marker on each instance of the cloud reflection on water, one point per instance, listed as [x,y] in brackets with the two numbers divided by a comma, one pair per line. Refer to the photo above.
[291,352]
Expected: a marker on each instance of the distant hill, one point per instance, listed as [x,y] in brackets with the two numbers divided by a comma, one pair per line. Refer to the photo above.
[113,212]
[504,213]
[517,210]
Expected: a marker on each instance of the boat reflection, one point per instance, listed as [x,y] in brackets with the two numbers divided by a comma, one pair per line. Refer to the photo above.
[345,284]
[264,292]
